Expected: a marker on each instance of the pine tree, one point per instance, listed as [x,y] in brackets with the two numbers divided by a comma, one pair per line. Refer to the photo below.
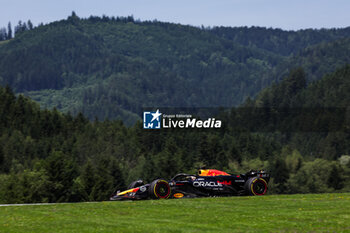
[280,174]
[103,187]
[18,28]
[88,178]
[3,34]
[335,178]
[118,179]
[9,31]
[61,171]
[30,25]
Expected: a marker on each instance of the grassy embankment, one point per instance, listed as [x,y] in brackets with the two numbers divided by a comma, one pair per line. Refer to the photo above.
[274,213]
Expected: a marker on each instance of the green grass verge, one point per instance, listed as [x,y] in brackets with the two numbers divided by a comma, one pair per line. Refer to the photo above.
[274,213]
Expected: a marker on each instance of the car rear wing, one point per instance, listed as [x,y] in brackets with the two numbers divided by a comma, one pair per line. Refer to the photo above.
[261,174]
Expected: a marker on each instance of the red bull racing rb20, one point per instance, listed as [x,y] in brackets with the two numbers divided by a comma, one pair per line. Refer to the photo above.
[207,183]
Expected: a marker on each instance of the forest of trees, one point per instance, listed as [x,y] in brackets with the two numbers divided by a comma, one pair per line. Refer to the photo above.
[6,33]
[72,92]
[49,156]
[112,67]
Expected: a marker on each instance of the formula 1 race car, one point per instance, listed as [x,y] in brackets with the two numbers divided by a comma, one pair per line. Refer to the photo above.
[208,183]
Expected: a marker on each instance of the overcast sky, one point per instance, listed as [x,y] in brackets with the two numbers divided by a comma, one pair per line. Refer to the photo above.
[290,15]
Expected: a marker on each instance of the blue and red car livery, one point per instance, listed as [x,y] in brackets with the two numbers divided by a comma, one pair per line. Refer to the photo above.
[207,183]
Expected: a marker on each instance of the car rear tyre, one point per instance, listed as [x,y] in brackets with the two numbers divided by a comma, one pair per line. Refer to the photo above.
[256,186]
[159,189]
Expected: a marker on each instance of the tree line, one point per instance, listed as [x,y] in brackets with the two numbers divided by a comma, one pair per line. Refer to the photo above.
[49,156]
[6,33]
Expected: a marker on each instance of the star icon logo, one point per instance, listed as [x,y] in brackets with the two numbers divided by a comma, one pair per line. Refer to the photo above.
[156,115]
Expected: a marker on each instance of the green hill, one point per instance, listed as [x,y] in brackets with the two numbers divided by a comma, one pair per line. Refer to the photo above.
[278,41]
[113,67]
[317,60]
[124,64]
[314,115]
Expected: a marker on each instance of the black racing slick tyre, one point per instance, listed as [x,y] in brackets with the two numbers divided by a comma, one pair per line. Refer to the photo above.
[135,184]
[255,186]
[159,189]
